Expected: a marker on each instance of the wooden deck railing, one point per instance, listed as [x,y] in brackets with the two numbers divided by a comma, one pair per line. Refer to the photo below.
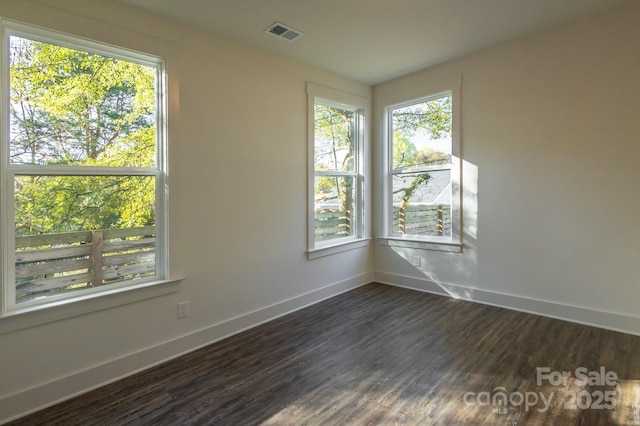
[53,263]
[433,220]
[430,220]
[331,223]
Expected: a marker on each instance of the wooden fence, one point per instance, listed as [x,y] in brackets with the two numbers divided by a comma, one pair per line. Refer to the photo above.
[331,223]
[430,220]
[54,263]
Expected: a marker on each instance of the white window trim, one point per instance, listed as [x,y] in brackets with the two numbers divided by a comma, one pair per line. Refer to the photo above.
[86,303]
[360,105]
[15,316]
[385,103]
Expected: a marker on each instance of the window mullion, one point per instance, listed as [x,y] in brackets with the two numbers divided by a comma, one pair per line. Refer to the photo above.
[336,174]
[37,170]
[8,243]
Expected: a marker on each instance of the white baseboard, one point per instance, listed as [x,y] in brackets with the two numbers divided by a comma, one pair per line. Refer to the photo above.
[601,319]
[47,394]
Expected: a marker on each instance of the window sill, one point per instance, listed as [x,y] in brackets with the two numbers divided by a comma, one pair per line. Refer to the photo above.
[421,244]
[58,310]
[328,250]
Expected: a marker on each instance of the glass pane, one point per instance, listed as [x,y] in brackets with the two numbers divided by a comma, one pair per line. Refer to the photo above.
[334,142]
[334,207]
[422,203]
[77,232]
[72,107]
[422,134]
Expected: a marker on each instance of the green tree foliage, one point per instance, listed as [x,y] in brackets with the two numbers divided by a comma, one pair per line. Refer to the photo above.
[434,116]
[431,157]
[74,108]
[405,153]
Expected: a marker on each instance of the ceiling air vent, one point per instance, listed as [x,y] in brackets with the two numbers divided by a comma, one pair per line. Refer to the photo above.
[281,30]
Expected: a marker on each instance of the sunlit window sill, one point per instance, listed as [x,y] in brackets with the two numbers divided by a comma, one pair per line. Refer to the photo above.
[421,244]
[337,248]
[31,316]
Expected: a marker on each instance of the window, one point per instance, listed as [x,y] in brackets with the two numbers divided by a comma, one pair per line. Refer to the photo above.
[422,166]
[336,178]
[83,168]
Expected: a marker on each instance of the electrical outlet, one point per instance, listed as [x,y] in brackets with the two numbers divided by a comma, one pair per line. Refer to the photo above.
[414,260]
[183,309]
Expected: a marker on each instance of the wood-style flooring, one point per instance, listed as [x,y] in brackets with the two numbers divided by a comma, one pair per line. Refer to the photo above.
[378,355]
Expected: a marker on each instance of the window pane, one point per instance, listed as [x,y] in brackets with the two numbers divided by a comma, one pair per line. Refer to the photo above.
[77,108]
[76,232]
[334,207]
[422,134]
[334,138]
[422,203]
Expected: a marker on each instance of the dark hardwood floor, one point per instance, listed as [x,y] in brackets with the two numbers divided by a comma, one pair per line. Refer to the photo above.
[379,355]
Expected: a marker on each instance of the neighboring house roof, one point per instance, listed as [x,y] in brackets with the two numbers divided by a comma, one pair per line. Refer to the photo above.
[437,190]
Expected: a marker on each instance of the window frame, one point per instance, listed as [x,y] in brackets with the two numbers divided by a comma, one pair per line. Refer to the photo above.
[386,103]
[359,105]
[8,172]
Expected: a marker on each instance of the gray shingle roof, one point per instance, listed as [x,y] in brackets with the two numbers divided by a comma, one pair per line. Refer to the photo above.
[437,190]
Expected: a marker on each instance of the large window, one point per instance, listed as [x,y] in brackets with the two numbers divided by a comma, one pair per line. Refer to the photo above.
[423,166]
[337,167]
[83,178]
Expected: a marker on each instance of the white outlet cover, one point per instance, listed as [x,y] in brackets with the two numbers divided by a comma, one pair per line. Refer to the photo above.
[183,309]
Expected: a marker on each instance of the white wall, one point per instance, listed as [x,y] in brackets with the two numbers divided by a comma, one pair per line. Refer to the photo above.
[551,146]
[237,175]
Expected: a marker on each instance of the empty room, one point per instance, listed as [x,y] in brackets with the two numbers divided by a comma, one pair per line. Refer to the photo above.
[295,212]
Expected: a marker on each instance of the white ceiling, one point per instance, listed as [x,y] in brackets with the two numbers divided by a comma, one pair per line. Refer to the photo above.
[376,40]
